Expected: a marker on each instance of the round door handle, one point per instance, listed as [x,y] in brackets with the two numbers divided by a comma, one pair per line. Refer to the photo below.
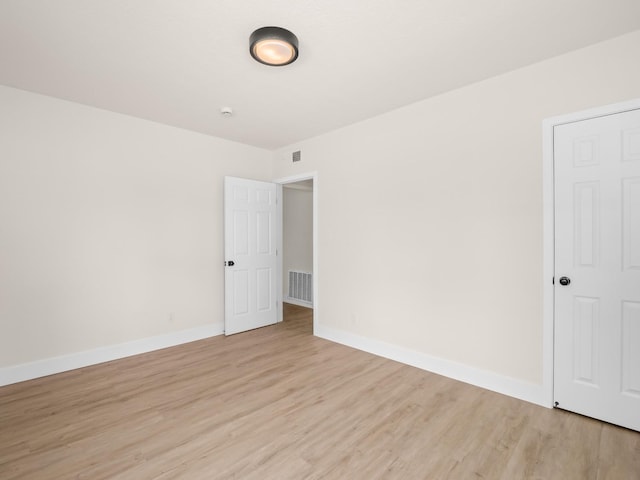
[564,281]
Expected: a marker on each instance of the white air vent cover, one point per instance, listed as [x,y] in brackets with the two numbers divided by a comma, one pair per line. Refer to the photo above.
[296,156]
[301,286]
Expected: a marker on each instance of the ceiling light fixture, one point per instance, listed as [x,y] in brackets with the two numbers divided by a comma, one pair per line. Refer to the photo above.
[273,46]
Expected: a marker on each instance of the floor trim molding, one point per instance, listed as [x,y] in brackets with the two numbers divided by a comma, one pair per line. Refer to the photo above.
[50,366]
[512,387]
[300,303]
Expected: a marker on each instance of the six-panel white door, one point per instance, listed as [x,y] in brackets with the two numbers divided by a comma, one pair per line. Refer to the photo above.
[597,251]
[250,223]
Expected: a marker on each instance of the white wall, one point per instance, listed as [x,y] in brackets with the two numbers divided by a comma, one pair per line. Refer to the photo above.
[430,217]
[297,222]
[110,226]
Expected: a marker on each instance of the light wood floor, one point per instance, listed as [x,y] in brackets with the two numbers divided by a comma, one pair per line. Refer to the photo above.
[278,403]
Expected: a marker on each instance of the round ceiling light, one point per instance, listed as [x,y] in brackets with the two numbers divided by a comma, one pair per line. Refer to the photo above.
[273,46]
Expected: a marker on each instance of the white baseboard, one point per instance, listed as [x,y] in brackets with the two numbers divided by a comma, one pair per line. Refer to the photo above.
[512,387]
[49,366]
[297,302]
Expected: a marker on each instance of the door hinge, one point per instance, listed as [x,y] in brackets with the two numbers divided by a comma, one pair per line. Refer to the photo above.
[553,281]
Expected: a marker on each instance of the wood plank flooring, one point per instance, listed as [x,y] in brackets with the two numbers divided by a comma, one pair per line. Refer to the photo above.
[278,403]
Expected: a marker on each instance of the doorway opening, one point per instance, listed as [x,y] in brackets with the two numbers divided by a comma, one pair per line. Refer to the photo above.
[298,260]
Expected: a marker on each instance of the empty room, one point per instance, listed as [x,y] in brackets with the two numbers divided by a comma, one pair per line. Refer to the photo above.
[319,240]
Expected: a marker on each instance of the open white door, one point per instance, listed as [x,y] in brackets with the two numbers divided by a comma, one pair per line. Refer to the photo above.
[597,268]
[250,230]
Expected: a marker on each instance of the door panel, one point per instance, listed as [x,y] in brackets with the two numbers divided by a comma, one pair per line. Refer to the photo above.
[585,328]
[250,228]
[240,292]
[631,223]
[631,349]
[597,246]
[587,232]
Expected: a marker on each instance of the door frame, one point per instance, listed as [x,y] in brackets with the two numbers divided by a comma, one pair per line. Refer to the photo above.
[316,298]
[548,233]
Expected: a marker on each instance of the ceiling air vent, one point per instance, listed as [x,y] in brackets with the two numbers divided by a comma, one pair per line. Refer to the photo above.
[296,156]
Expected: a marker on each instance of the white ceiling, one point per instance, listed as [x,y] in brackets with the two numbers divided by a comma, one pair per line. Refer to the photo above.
[179,61]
